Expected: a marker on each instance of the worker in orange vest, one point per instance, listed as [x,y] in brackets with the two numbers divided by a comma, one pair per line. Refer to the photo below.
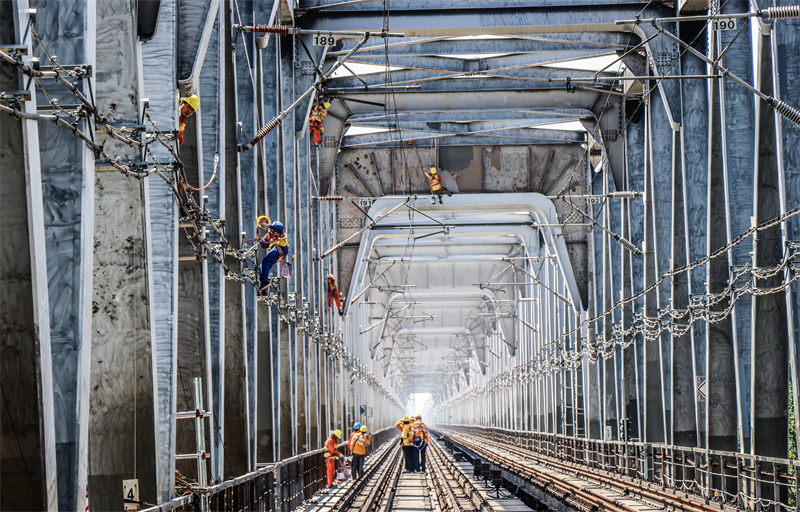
[331,453]
[189,106]
[421,442]
[333,294]
[407,431]
[435,181]
[356,430]
[358,447]
[315,120]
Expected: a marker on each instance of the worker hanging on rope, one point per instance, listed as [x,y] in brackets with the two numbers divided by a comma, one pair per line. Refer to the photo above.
[274,241]
[333,294]
[435,181]
[189,106]
[330,455]
[318,113]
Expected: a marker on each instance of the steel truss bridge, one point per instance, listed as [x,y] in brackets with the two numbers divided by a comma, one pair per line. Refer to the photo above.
[616,268]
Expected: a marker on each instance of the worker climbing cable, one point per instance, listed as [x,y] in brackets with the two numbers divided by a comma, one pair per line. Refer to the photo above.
[277,248]
[318,113]
[188,107]
[435,181]
[333,293]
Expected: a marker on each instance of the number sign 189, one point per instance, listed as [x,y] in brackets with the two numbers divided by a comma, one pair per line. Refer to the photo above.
[324,40]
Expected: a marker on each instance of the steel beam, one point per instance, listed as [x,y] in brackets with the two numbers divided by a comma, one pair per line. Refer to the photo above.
[695,141]
[770,374]
[29,434]
[158,65]
[123,426]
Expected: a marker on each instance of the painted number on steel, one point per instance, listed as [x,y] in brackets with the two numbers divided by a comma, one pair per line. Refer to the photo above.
[725,24]
[324,40]
[130,494]
[594,200]
[365,202]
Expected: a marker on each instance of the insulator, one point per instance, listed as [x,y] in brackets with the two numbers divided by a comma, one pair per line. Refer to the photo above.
[787,111]
[781,13]
[267,29]
[264,131]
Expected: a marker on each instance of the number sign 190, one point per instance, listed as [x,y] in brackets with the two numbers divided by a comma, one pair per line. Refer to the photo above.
[724,24]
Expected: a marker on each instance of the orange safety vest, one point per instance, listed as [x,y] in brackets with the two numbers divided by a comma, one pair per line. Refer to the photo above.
[359,443]
[435,182]
[330,448]
[422,429]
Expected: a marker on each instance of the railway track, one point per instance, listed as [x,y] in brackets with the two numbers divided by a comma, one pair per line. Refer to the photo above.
[385,487]
[579,487]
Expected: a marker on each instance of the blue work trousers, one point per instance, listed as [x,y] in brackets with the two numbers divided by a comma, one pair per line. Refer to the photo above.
[269,260]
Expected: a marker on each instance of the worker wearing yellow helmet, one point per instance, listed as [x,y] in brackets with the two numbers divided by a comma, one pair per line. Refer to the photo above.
[189,106]
[358,446]
[406,436]
[331,453]
[421,441]
[435,181]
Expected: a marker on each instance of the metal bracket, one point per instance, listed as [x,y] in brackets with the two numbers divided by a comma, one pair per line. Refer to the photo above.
[15,96]
[14,49]
[80,70]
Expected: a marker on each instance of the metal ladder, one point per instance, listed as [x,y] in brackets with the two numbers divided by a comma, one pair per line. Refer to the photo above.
[198,415]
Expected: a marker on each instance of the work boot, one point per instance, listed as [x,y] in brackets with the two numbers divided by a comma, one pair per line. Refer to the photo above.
[440,200]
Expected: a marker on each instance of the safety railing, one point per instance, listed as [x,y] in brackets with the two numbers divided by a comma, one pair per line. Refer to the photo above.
[282,486]
[746,481]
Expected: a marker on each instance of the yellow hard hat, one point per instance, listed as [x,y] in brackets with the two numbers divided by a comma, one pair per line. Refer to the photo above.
[326,103]
[433,170]
[261,219]
[337,433]
[193,101]
[419,416]
[405,418]
[363,428]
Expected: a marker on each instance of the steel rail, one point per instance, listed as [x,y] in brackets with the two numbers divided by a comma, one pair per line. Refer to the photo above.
[386,460]
[565,490]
